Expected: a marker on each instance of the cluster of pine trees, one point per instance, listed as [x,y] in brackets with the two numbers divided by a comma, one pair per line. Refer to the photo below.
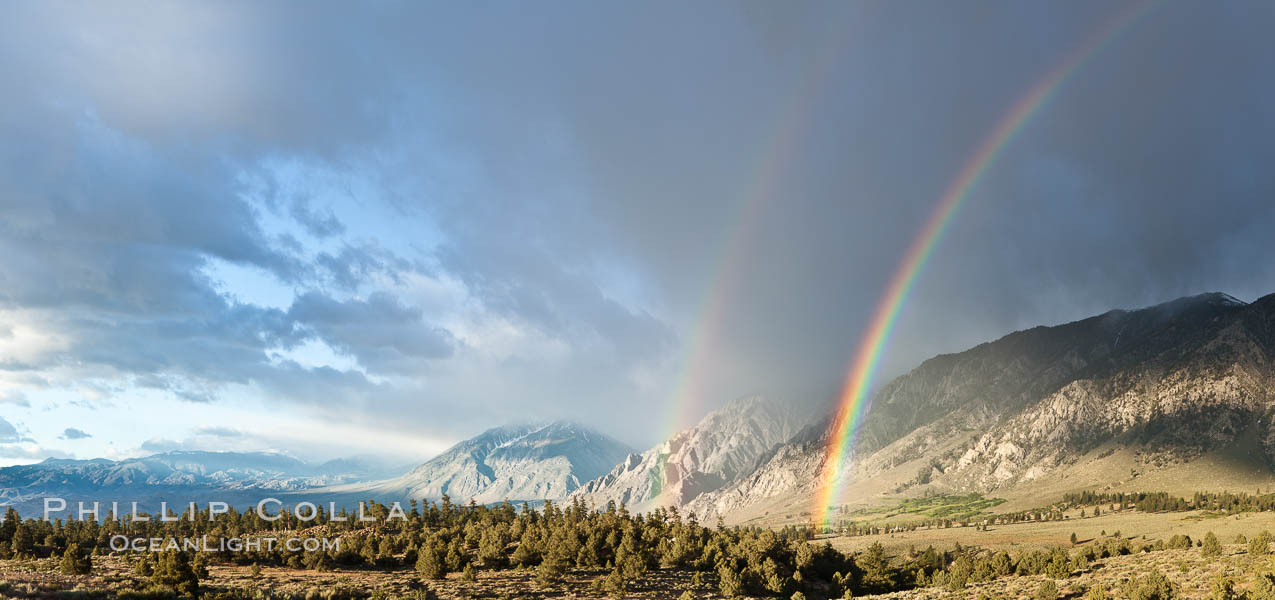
[1227,502]
[850,528]
[440,538]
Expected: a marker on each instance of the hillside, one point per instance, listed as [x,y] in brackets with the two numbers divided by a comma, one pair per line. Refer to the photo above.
[1165,396]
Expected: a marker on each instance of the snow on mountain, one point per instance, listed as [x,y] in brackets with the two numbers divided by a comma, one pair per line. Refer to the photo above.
[723,447]
[516,463]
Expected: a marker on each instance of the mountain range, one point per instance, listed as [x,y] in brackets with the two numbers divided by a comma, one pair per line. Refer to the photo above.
[1179,396]
[187,475]
[1175,397]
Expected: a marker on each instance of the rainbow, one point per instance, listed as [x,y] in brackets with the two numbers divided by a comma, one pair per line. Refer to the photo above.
[792,123]
[687,398]
[873,343]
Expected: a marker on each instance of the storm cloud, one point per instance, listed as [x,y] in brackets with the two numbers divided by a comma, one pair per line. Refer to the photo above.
[426,219]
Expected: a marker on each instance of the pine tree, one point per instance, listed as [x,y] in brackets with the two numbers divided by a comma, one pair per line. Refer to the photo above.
[551,571]
[876,569]
[456,556]
[614,584]
[729,581]
[75,562]
[174,571]
[144,567]
[491,548]
[527,554]
[23,543]
[429,562]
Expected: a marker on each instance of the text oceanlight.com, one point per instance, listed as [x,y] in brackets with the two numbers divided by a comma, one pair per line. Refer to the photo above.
[121,543]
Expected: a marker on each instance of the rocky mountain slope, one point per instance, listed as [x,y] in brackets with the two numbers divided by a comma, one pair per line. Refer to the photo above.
[723,447]
[1119,399]
[520,462]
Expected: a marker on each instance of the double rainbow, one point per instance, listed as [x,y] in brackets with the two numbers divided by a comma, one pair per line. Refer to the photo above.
[858,380]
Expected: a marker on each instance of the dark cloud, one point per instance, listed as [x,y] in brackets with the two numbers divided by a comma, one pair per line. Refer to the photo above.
[573,199]
[380,332]
[321,223]
[353,265]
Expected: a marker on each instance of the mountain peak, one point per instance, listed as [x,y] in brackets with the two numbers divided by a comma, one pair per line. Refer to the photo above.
[524,461]
[722,447]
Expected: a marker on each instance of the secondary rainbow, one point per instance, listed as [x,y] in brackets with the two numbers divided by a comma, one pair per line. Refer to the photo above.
[777,152]
[792,122]
[874,341]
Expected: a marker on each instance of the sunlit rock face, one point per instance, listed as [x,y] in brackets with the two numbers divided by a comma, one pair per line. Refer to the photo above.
[723,447]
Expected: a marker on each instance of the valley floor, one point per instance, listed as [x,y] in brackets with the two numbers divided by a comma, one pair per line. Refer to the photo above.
[1047,534]
[1188,570]
[111,576]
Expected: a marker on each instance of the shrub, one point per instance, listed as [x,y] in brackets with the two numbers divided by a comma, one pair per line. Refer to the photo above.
[1260,545]
[1211,546]
[1223,589]
[1048,590]
[1263,588]
[1153,586]
[1098,592]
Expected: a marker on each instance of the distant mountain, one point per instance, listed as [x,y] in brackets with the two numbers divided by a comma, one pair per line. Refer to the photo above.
[516,463]
[1178,396]
[724,446]
[185,475]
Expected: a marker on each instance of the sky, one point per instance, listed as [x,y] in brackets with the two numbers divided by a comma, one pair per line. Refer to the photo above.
[335,230]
